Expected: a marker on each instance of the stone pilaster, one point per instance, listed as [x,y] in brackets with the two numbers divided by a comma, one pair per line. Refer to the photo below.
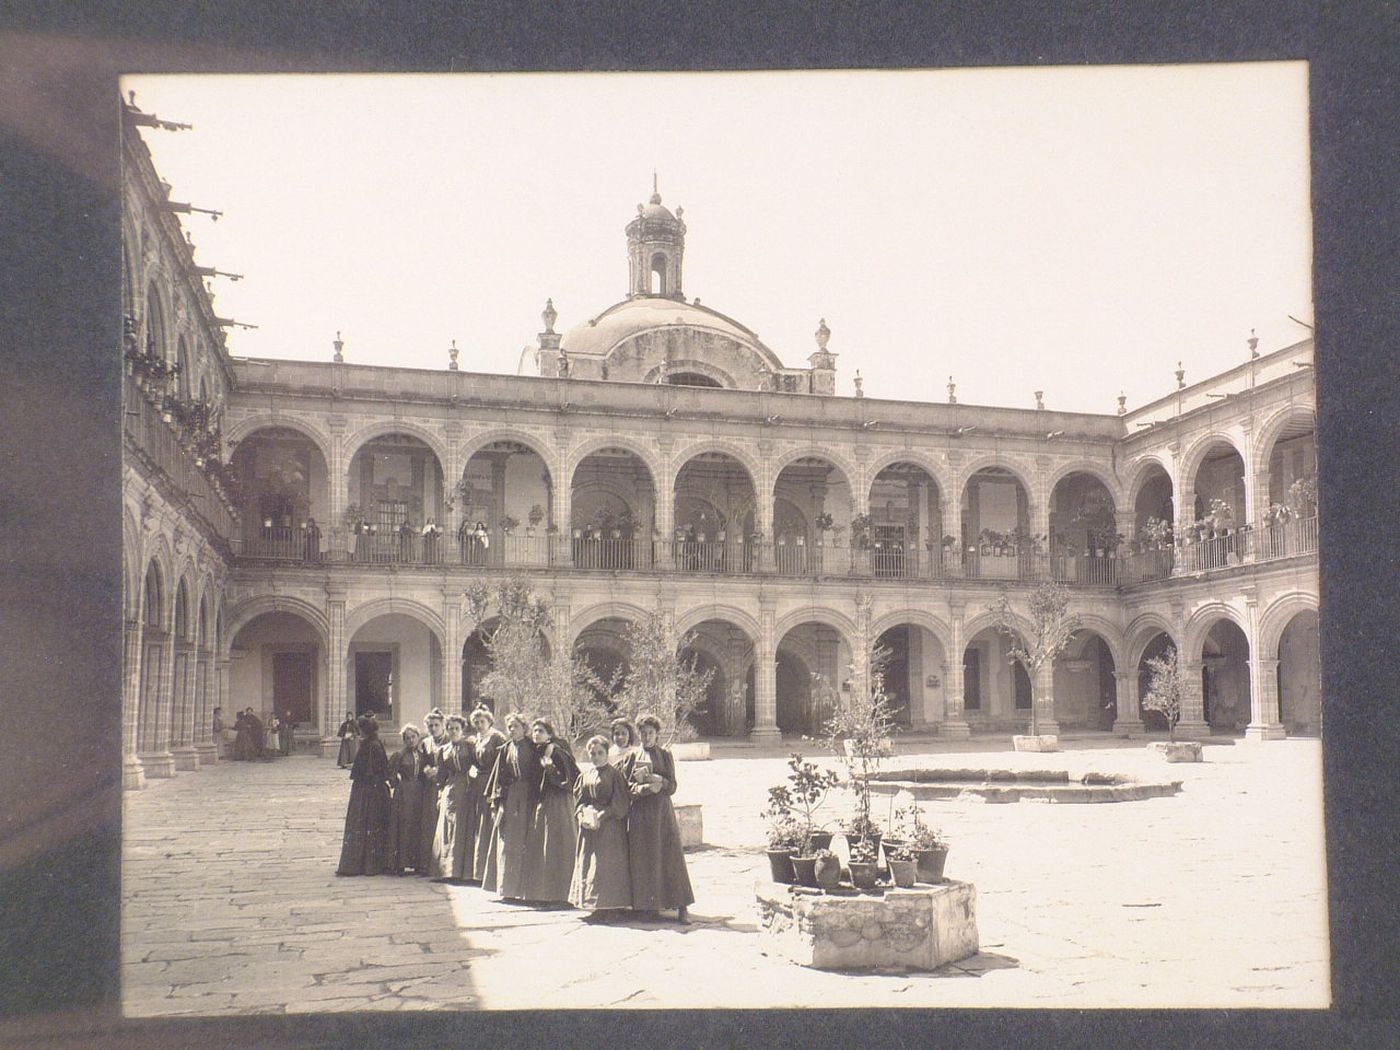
[158,699]
[1264,722]
[335,704]
[1043,697]
[955,725]
[1129,720]
[1193,722]
[182,722]
[452,651]
[206,691]
[338,536]
[133,777]
[765,701]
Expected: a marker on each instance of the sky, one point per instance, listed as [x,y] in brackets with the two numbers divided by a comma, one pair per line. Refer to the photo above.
[1077,231]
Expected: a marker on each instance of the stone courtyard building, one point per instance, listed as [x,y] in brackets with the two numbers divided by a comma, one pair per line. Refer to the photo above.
[299,534]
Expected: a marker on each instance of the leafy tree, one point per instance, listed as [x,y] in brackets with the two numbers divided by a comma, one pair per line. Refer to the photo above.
[1165,689]
[859,733]
[1052,625]
[660,676]
[513,622]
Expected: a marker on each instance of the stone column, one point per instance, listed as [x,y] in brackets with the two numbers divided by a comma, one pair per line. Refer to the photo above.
[335,704]
[562,494]
[133,776]
[1041,499]
[158,761]
[182,734]
[915,676]
[955,725]
[1129,719]
[1193,722]
[1043,698]
[338,536]
[1264,722]
[765,681]
[861,645]
[452,653]
[734,717]
[221,673]
[203,736]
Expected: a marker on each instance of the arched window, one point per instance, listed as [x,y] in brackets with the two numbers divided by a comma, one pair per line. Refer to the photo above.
[692,379]
[658,274]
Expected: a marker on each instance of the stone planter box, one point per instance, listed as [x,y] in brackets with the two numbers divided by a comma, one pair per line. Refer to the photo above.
[691,751]
[688,816]
[1043,742]
[1177,751]
[915,929]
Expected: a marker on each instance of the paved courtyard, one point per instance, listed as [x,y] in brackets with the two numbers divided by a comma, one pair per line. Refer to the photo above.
[1213,898]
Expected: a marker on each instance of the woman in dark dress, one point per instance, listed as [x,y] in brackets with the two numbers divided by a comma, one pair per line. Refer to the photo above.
[456,829]
[514,789]
[487,744]
[405,814]
[430,747]
[656,861]
[365,848]
[602,882]
[349,742]
[553,836]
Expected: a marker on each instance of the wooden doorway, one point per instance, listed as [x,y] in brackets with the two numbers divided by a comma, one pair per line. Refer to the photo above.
[293,686]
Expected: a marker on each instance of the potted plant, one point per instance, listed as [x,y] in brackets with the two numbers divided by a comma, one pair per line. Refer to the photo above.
[784,841]
[800,798]
[860,531]
[535,516]
[863,870]
[509,525]
[1052,625]
[926,845]
[1165,694]
[824,524]
[826,868]
[859,734]
[904,869]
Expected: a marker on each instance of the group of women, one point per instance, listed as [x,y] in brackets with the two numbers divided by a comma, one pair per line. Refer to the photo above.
[513,813]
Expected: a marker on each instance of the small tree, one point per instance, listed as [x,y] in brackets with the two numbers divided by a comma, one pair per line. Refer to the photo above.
[796,802]
[661,677]
[1165,689]
[1052,624]
[563,689]
[858,733]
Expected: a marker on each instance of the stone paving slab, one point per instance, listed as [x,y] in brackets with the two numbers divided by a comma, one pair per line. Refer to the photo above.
[1215,897]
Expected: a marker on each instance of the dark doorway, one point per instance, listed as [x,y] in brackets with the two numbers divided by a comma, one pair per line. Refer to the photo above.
[1023,686]
[896,640]
[292,686]
[972,680]
[374,683]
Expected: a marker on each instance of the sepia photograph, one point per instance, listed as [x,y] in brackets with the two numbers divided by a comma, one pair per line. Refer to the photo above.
[634,541]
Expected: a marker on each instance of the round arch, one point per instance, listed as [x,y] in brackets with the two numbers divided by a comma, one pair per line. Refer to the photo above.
[1142,631]
[689,365]
[1020,471]
[162,589]
[376,607]
[603,611]
[1202,620]
[729,614]
[1268,433]
[1277,617]
[536,443]
[1195,455]
[646,455]
[246,611]
[979,623]
[683,456]
[1099,471]
[384,427]
[919,458]
[1140,472]
[248,426]
[919,617]
[814,614]
[1111,633]
[184,596]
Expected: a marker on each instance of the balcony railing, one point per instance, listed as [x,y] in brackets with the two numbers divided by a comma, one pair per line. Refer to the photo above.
[736,558]
[157,442]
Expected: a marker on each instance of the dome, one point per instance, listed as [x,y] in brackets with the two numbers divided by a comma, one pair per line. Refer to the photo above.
[654,209]
[631,317]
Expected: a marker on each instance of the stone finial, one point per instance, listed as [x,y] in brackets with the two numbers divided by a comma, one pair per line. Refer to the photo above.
[452,357]
[1040,400]
[339,345]
[549,316]
[952,391]
[1122,404]
[1253,342]
[1180,376]
[823,334]
[860,384]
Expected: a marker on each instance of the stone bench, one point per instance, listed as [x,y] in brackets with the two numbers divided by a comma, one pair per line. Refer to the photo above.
[915,929]
[688,816]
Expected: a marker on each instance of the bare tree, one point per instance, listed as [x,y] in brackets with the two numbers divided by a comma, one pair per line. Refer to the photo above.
[1165,689]
[1052,626]
[859,734]
[513,622]
[660,676]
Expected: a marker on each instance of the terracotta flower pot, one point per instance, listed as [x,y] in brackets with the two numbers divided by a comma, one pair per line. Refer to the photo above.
[821,840]
[805,870]
[863,874]
[904,872]
[780,864]
[930,864]
[828,872]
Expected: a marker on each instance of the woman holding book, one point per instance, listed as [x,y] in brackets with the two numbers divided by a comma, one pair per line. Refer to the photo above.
[601,882]
[514,789]
[656,861]
[553,834]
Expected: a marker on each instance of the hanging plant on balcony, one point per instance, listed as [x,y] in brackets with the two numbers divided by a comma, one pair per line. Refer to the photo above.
[824,522]
[536,514]
[1155,534]
[860,531]
[509,525]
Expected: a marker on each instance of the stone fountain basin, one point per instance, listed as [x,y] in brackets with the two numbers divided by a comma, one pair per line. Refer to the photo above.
[1016,785]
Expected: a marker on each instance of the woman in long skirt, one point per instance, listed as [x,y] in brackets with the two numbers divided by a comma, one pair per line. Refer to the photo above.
[406,810]
[431,746]
[365,847]
[487,744]
[514,789]
[655,858]
[349,743]
[456,830]
[553,836]
[602,882]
